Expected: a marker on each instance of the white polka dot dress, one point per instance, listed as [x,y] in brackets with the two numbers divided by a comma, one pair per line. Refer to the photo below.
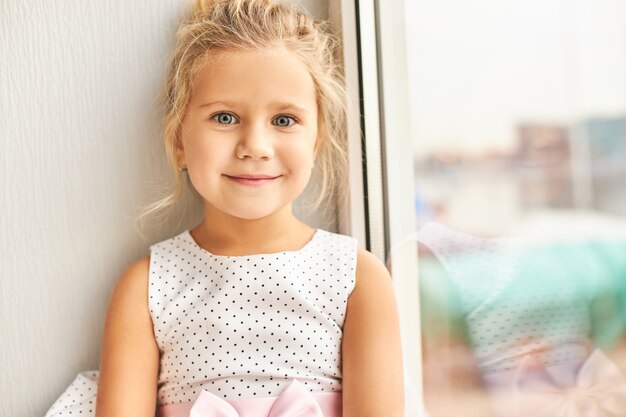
[245,326]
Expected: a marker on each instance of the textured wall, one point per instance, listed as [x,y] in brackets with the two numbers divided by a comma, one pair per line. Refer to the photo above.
[80,153]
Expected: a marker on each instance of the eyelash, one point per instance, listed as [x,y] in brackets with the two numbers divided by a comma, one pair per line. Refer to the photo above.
[215,116]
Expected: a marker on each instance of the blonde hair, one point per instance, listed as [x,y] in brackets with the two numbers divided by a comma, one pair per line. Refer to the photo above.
[215,26]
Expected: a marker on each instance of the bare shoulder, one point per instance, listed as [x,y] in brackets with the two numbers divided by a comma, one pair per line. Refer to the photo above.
[371,273]
[373,287]
[129,301]
[137,272]
[128,306]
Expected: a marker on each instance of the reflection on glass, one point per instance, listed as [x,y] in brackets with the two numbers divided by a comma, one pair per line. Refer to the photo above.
[519,123]
[533,324]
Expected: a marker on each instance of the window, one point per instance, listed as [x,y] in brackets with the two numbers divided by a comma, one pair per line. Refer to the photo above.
[503,154]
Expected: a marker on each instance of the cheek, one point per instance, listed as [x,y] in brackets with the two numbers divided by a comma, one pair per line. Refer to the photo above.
[206,152]
[313,143]
[302,166]
[301,154]
[203,165]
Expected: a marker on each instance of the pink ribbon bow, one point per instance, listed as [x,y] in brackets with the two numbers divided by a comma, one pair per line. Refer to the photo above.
[295,401]
[599,390]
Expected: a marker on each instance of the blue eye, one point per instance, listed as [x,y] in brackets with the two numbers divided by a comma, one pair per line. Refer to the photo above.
[224,118]
[284,121]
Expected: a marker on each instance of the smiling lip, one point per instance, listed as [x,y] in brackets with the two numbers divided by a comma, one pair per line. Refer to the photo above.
[252,179]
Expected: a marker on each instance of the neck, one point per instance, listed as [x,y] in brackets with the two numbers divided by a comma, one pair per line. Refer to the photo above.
[221,234]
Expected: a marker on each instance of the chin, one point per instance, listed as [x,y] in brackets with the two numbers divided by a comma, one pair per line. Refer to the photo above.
[253,213]
[249,215]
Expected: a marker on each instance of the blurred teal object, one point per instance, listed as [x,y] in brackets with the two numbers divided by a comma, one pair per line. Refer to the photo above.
[511,297]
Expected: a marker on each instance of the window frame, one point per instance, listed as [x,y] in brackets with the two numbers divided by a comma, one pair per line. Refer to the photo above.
[380,212]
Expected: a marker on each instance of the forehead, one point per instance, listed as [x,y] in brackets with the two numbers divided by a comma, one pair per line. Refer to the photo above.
[255,76]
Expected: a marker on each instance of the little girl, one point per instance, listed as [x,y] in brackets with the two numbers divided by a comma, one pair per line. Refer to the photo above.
[252,312]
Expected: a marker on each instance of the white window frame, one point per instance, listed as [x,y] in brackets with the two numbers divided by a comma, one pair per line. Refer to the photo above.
[381,212]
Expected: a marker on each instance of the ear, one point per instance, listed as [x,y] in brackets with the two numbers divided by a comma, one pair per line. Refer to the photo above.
[179,152]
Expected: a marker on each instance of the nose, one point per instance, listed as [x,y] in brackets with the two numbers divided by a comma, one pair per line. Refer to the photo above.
[255,143]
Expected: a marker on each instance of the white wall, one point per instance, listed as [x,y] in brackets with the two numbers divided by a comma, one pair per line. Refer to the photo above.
[80,153]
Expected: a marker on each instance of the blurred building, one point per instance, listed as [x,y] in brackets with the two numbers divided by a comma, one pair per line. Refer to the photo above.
[606,138]
[577,166]
[543,164]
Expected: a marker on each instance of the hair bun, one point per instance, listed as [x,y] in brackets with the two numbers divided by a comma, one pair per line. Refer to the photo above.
[205,7]
[202,7]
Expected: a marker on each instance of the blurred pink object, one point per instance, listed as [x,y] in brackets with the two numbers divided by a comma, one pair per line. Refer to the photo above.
[599,390]
[295,401]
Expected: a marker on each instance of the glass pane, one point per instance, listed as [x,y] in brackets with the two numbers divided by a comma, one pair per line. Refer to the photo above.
[518,112]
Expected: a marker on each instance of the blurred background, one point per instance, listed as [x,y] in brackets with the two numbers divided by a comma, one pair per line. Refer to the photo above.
[523,100]
[518,124]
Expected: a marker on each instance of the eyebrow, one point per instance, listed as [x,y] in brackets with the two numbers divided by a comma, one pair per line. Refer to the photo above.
[279,106]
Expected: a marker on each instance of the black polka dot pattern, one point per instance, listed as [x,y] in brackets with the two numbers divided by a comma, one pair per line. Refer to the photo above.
[79,399]
[241,326]
[245,326]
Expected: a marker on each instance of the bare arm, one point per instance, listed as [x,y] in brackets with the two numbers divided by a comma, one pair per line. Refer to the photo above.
[373,381]
[130,356]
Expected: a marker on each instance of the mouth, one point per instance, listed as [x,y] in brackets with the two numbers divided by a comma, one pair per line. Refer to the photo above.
[252,179]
